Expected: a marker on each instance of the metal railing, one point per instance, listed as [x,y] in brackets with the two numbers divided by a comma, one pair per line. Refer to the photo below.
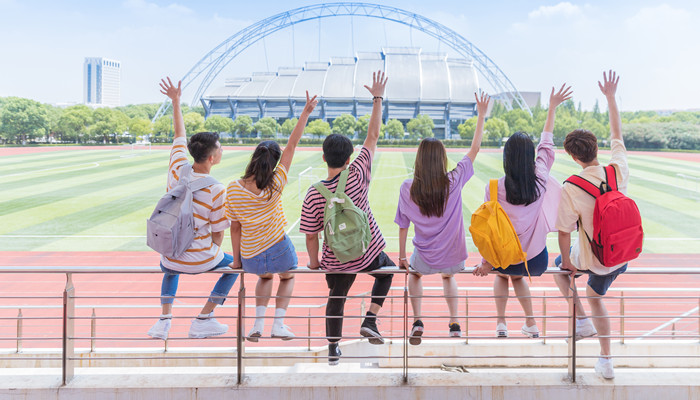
[69,317]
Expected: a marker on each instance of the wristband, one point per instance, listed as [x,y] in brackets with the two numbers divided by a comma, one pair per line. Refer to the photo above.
[403,259]
[377,97]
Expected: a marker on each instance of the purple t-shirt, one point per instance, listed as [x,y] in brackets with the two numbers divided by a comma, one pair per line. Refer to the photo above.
[440,241]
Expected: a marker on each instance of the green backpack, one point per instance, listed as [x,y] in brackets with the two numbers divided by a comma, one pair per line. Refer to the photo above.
[345,226]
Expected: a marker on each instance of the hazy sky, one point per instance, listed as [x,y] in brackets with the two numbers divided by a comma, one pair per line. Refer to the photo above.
[654,45]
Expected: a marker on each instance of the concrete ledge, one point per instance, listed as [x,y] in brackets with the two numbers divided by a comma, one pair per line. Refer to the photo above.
[347,381]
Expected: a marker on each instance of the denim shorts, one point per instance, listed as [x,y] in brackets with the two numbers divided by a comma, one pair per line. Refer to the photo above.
[279,258]
[599,283]
[417,264]
[536,265]
[224,263]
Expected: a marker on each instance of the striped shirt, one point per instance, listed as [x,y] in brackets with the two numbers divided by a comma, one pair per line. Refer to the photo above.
[208,210]
[357,189]
[261,215]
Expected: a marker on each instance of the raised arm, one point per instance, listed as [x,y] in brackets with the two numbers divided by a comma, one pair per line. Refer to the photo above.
[482,104]
[288,153]
[403,260]
[609,87]
[174,93]
[555,99]
[375,121]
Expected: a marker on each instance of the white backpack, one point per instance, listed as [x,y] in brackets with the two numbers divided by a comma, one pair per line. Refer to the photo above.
[170,229]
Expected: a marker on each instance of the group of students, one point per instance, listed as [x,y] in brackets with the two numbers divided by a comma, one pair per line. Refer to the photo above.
[251,207]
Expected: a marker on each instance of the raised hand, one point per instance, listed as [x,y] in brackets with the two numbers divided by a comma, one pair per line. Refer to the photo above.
[559,97]
[168,89]
[482,103]
[609,85]
[378,84]
[310,103]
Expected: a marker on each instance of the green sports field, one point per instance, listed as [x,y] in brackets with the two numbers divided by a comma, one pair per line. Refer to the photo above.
[98,199]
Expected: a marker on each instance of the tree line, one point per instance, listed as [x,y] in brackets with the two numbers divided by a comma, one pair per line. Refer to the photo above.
[25,121]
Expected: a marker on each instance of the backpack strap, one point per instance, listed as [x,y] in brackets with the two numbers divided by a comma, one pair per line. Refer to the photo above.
[493,190]
[584,185]
[185,173]
[342,181]
[201,183]
[611,177]
[323,190]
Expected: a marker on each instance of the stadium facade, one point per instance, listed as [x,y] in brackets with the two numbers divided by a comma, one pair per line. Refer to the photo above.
[419,83]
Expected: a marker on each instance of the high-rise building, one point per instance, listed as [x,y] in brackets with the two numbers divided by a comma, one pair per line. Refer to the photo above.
[102,80]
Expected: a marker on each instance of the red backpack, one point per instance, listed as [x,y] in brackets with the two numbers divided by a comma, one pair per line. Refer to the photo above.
[617,224]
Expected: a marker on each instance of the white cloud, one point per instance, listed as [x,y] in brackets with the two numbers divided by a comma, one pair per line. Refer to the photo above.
[564,9]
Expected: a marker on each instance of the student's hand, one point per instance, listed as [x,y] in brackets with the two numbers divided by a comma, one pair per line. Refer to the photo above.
[404,264]
[378,84]
[236,264]
[559,97]
[482,103]
[315,265]
[482,269]
[310,104]
[568,266]
[609,85]
[168,89]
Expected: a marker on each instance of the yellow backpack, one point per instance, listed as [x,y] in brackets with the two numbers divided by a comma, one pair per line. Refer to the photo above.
[494,235]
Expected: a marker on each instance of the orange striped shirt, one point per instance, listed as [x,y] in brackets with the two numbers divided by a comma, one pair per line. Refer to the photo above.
[261,216]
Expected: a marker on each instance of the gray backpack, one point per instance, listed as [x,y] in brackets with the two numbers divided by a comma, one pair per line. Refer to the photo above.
[170,229]
[345,226]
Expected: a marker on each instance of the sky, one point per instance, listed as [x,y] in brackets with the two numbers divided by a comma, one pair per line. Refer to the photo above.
[654,45]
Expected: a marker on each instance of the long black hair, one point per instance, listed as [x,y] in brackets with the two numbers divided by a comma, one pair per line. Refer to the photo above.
[523,186]
[262,165]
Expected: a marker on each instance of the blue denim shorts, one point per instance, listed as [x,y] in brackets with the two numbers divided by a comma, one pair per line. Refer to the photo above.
[599,283]
[279,258]
[536,265]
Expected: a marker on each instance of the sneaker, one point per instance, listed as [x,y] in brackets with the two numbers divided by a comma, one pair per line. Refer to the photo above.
[584,330]
[333,353]
[501,331]
[160,329]
[604,368]
[530,331]
[455,330]
[416,333]
[204,328]
[369,330]
[282,331]
[254,335]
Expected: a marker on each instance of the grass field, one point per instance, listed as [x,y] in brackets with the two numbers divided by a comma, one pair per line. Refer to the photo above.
[98,199]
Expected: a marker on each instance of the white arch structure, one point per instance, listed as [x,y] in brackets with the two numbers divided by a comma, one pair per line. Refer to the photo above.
[213,62]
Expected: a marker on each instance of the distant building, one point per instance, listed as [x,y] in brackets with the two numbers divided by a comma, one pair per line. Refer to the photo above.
[101,82]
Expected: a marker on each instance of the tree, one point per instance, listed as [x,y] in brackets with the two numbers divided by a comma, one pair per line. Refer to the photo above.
[288,126]
[421,127]
[394,129]
[565,123]
[362,126]
[140,127]
[345,125]
[243,125]
[162,128]
[107,122]
[23,119]
[194,122]
[495,129]
[467,128]
[318,128]
[218,124]
[74,122]
[518,120]
[497,109]
[266,127]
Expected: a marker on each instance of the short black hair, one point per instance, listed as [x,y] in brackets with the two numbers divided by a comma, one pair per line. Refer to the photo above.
[336,150]
[202,144]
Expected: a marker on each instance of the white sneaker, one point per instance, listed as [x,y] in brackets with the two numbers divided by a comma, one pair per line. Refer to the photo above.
[501,331]
[604,368]
[530,331]
[254,335]
[160,329]
[584,330]
[282,332]
[204,328]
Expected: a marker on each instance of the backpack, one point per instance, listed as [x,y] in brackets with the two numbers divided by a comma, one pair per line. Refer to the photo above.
[493,233]
[617,224]
[345,226]
[170,229]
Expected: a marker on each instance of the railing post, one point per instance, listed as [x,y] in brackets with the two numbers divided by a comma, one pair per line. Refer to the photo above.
[19,330]
[622,317]
[572,331]
[466,319]
[391,312]
[308,331]
[68,364]
[93,331]
[544,318]
[405,328]
[240,329]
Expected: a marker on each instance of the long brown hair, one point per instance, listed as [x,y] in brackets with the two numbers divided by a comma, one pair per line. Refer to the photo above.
[262,165]
[431,185]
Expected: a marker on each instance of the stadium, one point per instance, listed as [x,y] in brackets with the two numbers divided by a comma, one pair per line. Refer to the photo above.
[420,83]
